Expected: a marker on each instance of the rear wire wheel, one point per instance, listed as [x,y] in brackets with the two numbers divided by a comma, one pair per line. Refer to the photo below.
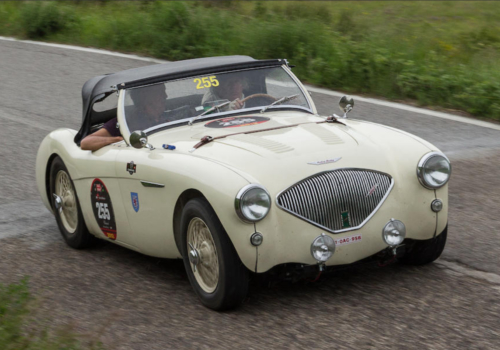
[67,209]
[213,266]
[69,212]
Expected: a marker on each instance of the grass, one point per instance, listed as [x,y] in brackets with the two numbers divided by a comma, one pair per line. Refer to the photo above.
[20,328]
[443,54]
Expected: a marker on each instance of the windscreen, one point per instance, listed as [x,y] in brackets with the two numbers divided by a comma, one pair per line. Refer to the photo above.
[209,96]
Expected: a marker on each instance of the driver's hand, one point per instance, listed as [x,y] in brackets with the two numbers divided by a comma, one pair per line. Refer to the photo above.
[236,104]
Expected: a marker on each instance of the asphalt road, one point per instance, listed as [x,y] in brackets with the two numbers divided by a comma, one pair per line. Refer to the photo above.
[131,301]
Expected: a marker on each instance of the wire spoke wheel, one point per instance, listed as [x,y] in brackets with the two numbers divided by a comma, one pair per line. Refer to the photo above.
[69,211]
[204,259]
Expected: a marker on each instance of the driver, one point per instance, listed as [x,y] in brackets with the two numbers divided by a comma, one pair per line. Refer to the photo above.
[149,108]
[230,88]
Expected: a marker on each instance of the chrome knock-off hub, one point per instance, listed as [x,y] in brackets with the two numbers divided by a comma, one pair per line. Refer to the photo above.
[194,256]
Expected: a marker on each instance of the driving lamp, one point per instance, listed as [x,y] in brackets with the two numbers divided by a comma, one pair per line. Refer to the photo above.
[434,170]
[394,233]
[322,248]
[252,203]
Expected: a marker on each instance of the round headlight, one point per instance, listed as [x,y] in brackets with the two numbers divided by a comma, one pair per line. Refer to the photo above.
[394,233]
[252,203]
[322,248]
[434,170]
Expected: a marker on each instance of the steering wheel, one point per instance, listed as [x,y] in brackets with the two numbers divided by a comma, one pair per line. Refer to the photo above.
[264,96]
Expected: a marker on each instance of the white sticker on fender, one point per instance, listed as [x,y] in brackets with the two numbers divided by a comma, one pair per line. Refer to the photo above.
[347,240]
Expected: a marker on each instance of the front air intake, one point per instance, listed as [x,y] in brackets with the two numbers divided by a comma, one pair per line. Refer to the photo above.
[338,200]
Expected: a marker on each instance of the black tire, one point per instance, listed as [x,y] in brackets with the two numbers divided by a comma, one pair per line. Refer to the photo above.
[425,252]
[232,286]
[81,237]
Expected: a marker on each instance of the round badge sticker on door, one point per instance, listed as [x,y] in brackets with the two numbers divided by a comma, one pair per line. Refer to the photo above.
[103,209]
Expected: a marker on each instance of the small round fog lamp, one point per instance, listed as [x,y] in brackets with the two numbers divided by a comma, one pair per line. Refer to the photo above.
[256,239]
[394,233]
[437,205]
[322,248]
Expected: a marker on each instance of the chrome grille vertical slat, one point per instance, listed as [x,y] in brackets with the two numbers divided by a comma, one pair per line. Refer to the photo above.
[329,195]
[322,195]
[353,198]
[337,199]
[361,178]
[321,199]
[344,200]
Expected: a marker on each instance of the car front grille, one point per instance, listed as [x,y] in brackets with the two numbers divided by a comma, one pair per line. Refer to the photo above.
[337,200]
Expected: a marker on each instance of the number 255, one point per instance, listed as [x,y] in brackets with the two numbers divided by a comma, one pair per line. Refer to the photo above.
[205,82]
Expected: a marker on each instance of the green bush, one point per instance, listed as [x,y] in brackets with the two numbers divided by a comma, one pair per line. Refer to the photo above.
[397,50]
[42,19]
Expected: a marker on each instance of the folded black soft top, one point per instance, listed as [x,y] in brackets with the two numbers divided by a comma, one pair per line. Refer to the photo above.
[99,87]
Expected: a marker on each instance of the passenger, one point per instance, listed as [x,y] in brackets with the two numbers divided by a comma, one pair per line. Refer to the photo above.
[230,88]
[149,103]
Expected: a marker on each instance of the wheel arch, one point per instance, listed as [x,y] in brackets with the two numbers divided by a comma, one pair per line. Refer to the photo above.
[51,159]
[184,197]
[59,143]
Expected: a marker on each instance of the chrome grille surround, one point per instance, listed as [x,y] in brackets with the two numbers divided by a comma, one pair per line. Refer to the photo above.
[321,199]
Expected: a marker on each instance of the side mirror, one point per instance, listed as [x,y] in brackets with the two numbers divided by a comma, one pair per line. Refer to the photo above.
[138,139]
[346,104]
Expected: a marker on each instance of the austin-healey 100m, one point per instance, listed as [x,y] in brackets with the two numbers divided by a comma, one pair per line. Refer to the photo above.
[226,164]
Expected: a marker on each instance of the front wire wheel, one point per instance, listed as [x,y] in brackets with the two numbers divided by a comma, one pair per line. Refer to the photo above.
[203,255]
[425,252]
[213,266]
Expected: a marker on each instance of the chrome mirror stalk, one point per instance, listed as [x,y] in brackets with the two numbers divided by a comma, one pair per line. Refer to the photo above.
[138,139]
[346,105]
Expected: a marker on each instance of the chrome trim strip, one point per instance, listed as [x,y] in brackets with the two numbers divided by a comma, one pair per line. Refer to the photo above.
[152,184]
[251,111]
[306,94]
[324,175]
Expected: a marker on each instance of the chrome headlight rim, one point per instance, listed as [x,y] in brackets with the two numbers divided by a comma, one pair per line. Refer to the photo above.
[238,202]
[420,167]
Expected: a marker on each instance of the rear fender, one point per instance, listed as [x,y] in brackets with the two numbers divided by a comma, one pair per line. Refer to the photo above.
[57,143]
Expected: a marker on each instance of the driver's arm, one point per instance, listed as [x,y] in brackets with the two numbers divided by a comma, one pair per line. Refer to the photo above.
[99,139]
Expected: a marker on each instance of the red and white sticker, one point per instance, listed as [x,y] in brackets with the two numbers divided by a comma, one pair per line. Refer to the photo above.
[347,240]
[103,209]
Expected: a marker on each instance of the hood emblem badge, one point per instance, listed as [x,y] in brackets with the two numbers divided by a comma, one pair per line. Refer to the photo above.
[321,162]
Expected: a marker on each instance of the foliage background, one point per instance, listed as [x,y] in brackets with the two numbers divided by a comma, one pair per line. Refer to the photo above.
[443,54]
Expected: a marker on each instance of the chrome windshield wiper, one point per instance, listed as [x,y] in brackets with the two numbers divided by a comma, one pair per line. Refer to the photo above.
[280,101]
[210,110]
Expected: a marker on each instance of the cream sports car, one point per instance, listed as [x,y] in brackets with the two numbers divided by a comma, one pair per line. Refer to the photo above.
[226,164]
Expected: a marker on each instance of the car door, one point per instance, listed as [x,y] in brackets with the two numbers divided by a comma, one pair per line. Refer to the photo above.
[148,200]
[100,196]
